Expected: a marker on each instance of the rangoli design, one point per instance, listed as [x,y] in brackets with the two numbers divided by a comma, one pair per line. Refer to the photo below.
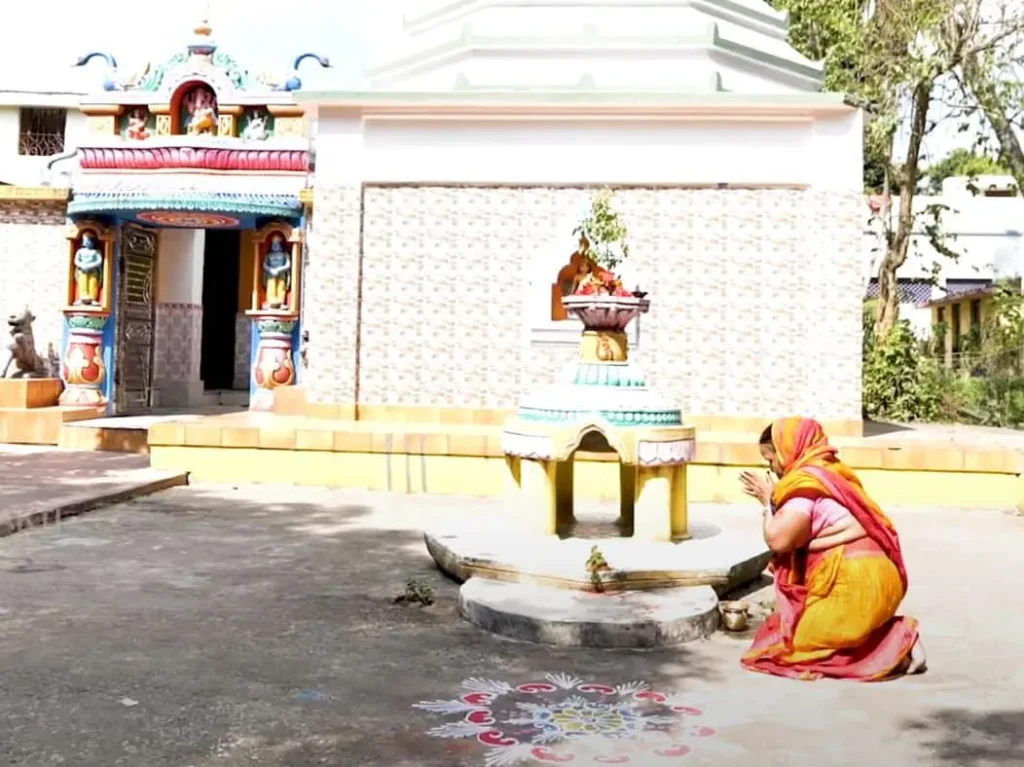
[567,720]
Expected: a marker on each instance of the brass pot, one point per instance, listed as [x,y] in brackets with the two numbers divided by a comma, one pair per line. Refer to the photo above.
[735,615]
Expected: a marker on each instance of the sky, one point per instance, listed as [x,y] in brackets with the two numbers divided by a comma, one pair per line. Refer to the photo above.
[260,34]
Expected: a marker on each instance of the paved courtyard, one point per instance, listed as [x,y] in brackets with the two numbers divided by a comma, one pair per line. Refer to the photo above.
[215,626]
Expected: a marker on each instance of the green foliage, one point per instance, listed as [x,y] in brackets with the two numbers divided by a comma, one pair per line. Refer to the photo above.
[596,565]
[963,162]
[416,593]
[992,400]
[605,232]
[905,380]
[900,383]
[1005,331]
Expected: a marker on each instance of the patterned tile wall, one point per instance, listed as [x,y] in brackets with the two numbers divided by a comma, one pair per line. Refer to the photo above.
[177,342]
[756,296]
[243,342]
[33,244]
[331,286]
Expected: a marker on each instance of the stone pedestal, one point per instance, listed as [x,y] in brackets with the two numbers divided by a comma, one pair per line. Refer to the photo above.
[273,365]
[602,404]
[82,368]
[536,575]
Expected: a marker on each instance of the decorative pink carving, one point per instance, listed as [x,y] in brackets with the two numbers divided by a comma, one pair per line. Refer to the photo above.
[138,158]
[610,313]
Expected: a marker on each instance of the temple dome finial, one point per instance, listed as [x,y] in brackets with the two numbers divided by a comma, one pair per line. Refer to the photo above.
[202,44]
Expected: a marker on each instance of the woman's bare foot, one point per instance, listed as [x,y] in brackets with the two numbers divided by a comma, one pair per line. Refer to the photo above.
[918,663]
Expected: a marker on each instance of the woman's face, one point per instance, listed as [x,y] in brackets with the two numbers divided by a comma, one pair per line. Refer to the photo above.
[768,453]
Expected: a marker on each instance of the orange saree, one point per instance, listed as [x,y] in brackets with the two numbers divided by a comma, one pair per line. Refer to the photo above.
[835,613]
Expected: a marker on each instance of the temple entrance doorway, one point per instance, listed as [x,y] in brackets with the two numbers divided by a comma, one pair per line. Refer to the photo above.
[221,280]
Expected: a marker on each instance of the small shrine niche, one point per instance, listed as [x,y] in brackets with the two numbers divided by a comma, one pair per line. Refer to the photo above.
[276,270]
[137,124]
[90,258]
[195,111]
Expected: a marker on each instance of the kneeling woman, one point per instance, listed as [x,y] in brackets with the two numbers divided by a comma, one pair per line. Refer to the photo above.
[839,574]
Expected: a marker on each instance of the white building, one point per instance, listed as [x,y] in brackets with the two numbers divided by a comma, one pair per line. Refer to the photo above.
[981,220]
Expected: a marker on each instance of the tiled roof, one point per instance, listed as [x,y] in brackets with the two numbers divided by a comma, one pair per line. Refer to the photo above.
[959,287]
[910,291]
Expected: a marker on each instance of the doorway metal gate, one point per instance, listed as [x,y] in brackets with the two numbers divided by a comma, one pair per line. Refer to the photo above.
[133,360]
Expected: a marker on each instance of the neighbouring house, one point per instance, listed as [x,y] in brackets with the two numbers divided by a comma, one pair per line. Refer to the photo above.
[981,220]
[914,295]
[960,317]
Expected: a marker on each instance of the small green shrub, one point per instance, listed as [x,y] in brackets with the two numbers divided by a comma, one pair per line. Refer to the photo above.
[900,383]
[994,400]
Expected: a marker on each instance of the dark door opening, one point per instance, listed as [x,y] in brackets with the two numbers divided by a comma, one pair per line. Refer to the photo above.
[220,305]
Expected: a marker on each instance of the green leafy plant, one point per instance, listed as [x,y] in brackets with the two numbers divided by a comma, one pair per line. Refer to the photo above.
[604,231]
[597,564]
[416,593]
[900,382]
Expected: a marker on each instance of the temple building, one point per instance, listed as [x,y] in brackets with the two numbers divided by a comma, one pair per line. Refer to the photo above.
[399,253]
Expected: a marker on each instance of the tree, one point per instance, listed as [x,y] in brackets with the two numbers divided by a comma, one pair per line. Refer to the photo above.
[963,162]
[889,56]
[991,34]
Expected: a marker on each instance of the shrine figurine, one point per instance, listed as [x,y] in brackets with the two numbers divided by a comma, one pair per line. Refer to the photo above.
[137,130]
[277,274]
[202,112]
[88,273]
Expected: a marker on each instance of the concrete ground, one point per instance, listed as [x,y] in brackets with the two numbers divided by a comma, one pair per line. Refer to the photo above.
[218,627]
[39,484]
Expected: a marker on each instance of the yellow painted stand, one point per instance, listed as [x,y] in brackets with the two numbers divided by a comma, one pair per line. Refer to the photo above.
[652,494]
[660,504]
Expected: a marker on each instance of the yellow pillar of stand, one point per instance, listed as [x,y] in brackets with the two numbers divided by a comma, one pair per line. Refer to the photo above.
[679,517]
[652,517]
[539,496]
[627,497]
[564,475]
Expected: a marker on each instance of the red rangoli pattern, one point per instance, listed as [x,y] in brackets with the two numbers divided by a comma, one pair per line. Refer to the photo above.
[566,720]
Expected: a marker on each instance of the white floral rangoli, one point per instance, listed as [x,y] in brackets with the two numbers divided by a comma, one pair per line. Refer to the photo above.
[565,720]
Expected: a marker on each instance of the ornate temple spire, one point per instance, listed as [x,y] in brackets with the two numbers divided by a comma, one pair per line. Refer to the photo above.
[202,43]
[692,46]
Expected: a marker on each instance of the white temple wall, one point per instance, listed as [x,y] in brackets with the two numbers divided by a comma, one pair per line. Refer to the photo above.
[463,226]
[33,235]
[687,69]
[824,154]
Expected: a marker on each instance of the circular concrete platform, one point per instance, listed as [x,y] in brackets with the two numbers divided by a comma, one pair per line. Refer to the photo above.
[567,618]
[497,550]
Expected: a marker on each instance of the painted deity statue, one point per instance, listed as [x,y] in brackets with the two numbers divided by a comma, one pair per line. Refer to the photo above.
[591,279]
[137,130]
[277,274]
[202,112]
[88,272]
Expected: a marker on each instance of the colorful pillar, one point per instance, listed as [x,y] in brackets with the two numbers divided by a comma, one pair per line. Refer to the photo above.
[90,272]
[274,311]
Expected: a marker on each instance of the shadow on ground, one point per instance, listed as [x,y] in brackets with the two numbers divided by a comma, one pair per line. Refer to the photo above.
[966,738]
[228,626]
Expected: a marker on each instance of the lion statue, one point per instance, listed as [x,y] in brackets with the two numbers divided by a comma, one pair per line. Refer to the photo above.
[23,360]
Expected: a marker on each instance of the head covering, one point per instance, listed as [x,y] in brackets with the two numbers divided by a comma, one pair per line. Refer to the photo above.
[811,469]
